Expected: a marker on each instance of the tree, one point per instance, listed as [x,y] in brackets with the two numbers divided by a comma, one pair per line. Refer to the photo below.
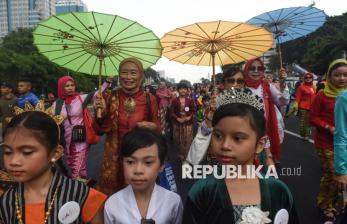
[20,58]
[149,72]
[317,50]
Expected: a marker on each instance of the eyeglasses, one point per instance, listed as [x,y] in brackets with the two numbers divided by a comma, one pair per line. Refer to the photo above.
[308,77]
[232,81]
[257,68]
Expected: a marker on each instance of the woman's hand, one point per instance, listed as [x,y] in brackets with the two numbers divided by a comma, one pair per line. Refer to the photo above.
[341,182]
[213,103]
[332,129]
[99,102]
[283,75]
[109,79]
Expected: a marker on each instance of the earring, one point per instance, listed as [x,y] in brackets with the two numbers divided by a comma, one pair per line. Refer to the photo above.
[53,160]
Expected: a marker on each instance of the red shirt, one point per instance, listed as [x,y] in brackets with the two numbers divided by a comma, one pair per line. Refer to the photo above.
[186,110]
[305,96]
[322,114]
[127,122]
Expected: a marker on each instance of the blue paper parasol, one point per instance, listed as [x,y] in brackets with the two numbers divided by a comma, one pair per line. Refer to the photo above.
[290,23]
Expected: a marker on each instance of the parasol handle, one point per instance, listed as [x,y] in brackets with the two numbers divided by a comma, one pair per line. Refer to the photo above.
[279,51]
[213,71]
[99,110]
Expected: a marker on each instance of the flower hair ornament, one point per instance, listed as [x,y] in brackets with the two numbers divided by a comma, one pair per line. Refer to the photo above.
[244,96]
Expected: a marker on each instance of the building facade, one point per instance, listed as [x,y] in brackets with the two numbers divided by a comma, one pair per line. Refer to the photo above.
[66,6]
[16,14]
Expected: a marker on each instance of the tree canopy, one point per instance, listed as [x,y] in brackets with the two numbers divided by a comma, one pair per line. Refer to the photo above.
[315,51]
[19,58]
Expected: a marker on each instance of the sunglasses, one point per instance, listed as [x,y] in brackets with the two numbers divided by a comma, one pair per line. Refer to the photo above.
[232,81]
[257,69]
[308,77]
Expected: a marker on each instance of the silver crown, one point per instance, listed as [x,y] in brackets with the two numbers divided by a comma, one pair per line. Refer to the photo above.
[240,96]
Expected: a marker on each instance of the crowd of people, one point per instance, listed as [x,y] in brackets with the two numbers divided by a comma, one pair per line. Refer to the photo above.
[239,122]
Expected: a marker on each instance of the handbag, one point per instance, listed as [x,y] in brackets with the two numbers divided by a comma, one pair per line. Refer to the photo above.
[78,133]
[91,137]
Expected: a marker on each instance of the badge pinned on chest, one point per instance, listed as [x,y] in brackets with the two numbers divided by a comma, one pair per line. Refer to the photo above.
[69,212]
[282,217]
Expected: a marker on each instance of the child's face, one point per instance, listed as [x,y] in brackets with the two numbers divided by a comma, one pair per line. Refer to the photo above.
[339,76]
[206,103]
[142,167]
[23,87]
[182,91]
[234,141]
[25,158]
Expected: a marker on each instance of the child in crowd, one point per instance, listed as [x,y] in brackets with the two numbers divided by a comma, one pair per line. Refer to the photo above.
[26,96]
[238,136]
[143,154]
[42,194]
[322,118]
[182,112]
[203,112]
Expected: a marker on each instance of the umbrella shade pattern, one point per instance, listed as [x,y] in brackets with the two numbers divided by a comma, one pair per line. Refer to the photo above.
[215,43]
[95,43]
[290,23]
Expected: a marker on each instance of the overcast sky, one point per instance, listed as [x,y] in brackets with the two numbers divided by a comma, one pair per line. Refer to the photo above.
[162,16]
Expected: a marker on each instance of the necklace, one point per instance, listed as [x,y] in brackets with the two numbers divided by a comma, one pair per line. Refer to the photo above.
[47,214]
[129,105]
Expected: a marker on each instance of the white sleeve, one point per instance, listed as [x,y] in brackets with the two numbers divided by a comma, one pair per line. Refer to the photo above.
[280,98]
[108,216]
[177,219]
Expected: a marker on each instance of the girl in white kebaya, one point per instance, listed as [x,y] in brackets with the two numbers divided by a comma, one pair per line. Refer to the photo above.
[143,153]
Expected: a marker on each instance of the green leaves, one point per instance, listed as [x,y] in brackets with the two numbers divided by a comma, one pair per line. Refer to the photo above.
[316,51]
[20,58]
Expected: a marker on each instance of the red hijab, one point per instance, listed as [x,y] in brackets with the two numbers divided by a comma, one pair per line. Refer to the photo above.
[61,91]
[271,116]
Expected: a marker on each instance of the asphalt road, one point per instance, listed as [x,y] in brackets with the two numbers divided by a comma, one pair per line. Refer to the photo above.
[297,154]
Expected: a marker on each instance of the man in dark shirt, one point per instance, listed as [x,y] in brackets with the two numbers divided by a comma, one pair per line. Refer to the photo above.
[7,102]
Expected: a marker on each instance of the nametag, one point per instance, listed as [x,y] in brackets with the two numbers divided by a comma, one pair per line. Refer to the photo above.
[281,217]
[69,212]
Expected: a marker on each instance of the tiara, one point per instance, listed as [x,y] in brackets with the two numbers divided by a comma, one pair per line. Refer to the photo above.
[40,107]
[243,96]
